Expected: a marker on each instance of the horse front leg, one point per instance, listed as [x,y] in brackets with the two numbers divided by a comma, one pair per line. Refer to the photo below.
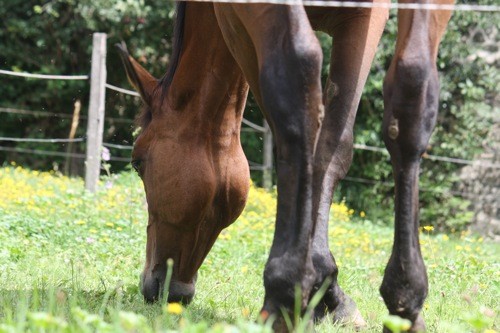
[356,33]
[411,92]
[281,58]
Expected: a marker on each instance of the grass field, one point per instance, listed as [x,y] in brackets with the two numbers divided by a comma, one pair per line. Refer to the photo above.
[70,262]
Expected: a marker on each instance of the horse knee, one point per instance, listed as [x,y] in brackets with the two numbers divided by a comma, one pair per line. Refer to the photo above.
[412,72]
[291,90]
[411,93]
[287,74]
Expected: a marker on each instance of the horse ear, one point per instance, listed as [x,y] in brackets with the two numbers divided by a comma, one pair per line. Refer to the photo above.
[143,82]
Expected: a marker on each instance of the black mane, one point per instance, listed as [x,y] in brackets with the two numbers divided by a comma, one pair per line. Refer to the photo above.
[145,116]
[166,80]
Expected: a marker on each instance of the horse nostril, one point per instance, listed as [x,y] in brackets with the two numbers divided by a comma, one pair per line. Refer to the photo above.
[151,289]
[181,292]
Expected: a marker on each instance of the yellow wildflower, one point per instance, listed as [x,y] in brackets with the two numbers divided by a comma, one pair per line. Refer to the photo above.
[362,214]
[110,224]
[174,308]
[119,228]
[428,228]
[244,269]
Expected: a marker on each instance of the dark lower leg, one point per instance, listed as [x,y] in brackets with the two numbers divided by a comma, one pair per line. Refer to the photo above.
[334,300]
[404,287]
[411,91]
[292,102]
[356,34]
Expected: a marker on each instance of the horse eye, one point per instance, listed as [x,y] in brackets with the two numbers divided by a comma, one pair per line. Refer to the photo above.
[136,164]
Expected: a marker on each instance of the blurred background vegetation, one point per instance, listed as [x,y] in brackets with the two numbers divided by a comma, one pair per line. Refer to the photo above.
[55,37]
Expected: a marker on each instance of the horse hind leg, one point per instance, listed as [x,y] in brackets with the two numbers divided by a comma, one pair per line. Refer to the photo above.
[356,33]
[411,91]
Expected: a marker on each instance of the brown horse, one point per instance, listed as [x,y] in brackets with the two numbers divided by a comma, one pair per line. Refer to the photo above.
[195,173]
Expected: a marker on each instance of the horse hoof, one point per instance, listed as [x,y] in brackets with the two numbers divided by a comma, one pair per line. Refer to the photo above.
[347,313]
[280,326]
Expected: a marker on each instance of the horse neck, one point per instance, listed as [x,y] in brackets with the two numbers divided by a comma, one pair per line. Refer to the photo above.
[208,90]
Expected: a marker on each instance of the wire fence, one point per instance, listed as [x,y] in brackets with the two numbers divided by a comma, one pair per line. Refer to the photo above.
[249,126]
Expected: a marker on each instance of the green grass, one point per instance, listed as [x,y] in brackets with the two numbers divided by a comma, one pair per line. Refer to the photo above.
[70,262]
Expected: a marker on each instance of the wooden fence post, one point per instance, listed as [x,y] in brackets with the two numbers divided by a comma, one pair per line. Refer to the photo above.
[72,132]
[95,125]
[267,171]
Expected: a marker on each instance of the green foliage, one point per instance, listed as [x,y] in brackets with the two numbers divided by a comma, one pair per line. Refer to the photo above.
[397,324]
[56,36]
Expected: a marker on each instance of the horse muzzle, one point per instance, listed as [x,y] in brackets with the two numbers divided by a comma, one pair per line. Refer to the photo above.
[153,285]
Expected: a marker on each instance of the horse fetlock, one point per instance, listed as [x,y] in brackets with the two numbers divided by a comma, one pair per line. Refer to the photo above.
[405,297]
[284,276]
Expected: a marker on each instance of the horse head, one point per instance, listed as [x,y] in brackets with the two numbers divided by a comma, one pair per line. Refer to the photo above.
[196,178]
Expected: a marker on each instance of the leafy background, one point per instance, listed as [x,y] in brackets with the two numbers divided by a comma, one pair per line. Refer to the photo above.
[55,37]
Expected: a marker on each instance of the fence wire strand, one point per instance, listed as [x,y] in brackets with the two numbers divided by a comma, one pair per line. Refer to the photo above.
[58,115]
[355,4]
[55,153]
[253,126]
[121,90]
[44,76]
[421,189]
[114,145]
[41,140]
[40,152]
[462,161]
